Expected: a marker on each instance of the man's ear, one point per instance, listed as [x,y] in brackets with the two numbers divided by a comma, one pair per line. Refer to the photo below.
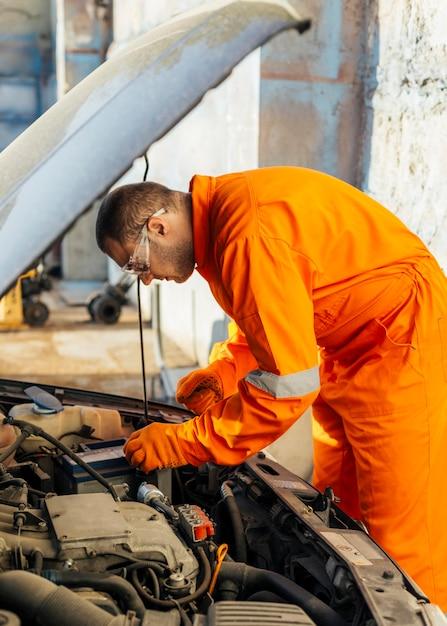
[158,225]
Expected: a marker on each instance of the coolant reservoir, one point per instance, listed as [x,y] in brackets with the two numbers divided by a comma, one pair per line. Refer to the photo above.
[7,436]
[105,422]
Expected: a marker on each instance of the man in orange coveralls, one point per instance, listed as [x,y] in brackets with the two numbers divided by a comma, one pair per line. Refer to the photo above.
[305,263]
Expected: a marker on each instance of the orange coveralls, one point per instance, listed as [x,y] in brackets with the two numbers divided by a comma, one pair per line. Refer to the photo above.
[305,263]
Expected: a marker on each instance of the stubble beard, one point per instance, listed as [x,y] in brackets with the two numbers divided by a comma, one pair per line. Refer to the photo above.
[179,258]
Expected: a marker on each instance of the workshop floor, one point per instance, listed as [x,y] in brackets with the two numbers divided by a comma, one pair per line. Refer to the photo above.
[73,351]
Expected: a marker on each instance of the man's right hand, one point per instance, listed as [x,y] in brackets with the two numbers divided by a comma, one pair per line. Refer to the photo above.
[200,389]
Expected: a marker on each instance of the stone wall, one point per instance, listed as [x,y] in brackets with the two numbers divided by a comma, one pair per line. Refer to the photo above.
[405,135]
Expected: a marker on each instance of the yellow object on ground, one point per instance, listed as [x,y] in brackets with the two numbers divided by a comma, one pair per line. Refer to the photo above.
[11,305]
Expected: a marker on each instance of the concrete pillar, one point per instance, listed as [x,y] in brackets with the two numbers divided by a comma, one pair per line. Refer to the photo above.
[87,33]
[311,104]
[311,91]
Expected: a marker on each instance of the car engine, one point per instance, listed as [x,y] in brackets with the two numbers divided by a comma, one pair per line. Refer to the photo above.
[86,540]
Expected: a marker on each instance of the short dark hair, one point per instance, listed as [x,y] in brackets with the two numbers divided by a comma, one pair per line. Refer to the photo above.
[124,210]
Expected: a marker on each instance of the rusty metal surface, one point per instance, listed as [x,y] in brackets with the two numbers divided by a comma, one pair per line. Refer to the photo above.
[329,52]
[311,124]
[87,37]
[76,150]
[311,94]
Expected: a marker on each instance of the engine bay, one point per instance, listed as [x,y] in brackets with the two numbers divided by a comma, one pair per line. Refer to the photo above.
[85,539]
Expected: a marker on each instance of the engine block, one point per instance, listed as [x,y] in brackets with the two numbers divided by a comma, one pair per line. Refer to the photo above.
[88,529]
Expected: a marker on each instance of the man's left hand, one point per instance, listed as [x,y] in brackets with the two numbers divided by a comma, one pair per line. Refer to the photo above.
[154,447]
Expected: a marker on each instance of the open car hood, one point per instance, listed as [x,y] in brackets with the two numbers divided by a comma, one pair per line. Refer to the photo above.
[71,155]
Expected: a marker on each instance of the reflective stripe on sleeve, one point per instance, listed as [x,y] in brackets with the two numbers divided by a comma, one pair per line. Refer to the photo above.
[287,386]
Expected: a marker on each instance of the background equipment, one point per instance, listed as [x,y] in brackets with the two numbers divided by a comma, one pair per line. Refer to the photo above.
[21,305]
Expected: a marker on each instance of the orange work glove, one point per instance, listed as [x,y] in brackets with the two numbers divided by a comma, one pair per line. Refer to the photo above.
[154,447]
[200,389]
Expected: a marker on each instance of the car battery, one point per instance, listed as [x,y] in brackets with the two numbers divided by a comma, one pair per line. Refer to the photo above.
[106,457]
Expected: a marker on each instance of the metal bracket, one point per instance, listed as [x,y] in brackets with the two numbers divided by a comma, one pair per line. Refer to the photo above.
[31,521]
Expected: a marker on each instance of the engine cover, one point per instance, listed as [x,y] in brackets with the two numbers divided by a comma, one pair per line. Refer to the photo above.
[259,613]
[85,529]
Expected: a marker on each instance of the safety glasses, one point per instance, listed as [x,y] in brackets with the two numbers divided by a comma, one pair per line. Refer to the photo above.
[139,260]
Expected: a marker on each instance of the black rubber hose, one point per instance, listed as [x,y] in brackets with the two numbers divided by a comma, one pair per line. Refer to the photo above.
[15,444]
[183,616]
[266,596]
[38,561]
[172,604]
[154,581]
[136,563]
[240,544]
[251,579]
[35,599]
[130,567]
[114,585]
[20,482]
[36,430]
[37,492]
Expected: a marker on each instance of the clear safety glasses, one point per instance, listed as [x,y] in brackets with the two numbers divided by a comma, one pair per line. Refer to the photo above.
[139,260]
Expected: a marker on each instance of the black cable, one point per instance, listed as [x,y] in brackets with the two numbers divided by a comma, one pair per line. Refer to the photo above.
[180,486]
[183,616]
[77,433]
[16,444]
[240,544]
[152,562]
[31,457]
[154,581]
[143,365]
[146,160]
[36,430]
[140,320]
[37,492]
[137,565]
[170,604]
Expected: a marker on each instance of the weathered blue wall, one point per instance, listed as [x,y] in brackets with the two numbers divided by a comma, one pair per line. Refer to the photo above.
[27,74]
[87,34]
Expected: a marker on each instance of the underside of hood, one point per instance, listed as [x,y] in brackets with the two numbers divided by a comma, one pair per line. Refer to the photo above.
[72,154]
